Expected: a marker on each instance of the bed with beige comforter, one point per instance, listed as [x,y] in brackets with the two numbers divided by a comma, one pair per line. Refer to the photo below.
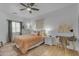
[24,42]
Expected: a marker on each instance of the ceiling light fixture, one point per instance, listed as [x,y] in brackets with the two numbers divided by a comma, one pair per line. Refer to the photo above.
[29,9]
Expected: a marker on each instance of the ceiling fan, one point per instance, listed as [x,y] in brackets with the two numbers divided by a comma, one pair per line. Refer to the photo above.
[29,7]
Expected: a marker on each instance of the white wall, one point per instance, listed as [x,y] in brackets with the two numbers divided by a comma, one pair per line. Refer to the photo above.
[78,20]
[78,25]
[67,15]
[3,27]
[4,24]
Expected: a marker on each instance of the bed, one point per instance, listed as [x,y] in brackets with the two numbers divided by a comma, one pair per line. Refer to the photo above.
[26,42]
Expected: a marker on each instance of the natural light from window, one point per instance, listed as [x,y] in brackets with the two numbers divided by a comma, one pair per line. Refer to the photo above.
[15,27]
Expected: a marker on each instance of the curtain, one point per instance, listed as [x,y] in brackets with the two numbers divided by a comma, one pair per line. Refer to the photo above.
[9,30]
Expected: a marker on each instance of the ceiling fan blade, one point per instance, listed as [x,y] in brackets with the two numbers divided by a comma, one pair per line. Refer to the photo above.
[22,9]
[35,9]
[32,4]
[23,4]
[30,11]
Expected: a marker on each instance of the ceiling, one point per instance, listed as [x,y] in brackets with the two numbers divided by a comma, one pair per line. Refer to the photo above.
[13,9]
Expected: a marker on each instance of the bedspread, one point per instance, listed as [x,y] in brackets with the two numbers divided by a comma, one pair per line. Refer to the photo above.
[24,42]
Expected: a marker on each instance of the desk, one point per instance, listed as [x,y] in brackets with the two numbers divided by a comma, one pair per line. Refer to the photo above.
[63,38]
[65,42]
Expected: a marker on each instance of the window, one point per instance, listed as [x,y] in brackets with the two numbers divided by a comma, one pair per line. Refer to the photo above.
[15,27]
